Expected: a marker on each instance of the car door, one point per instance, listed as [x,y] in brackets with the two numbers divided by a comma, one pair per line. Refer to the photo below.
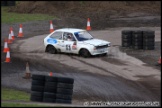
[55,39]
[68,44]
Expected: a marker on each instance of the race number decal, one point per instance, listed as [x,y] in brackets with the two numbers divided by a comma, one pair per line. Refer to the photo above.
[68,47]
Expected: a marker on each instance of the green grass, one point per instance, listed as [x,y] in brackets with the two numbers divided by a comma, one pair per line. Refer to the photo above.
[11,94]
[21,105]
[11,17]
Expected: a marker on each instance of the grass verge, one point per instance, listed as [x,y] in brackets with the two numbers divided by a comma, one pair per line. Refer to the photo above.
[21,105]
[11,94]
[11,17]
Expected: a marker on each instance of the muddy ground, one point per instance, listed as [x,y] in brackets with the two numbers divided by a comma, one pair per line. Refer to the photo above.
[123,75]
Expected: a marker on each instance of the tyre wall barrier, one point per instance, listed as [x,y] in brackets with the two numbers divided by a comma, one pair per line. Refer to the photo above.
[138,39]
[51,89]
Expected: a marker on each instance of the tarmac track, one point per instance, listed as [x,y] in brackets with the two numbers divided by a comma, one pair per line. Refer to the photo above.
[116,77]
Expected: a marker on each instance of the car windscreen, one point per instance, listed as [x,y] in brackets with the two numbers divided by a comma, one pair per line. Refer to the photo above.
[83,35]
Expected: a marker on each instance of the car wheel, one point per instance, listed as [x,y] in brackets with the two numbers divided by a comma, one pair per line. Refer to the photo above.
[104,54]
[51,49]
[85,53]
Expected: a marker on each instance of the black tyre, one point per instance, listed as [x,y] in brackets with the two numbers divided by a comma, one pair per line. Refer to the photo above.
[38,77]
[85,53]
[50,100]
[50,89]
[126,40]
[148,36]
[10,3]
[148,44]
[49,95]
[3,3]
[137,47]
[65,80]
[35,98]
[50,79]
[51,49]
[148,32]
[125,44]
[37,88]
[63,101]
[38,82]
[64,91]
[137,43]
[148,47]
[63,96]
[138,32]
[127,32]
[126,36]
[149,40]
[37,94]
[65,85]
[137,39]
[53,84]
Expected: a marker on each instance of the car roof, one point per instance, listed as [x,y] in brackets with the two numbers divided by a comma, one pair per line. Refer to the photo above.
[72,30]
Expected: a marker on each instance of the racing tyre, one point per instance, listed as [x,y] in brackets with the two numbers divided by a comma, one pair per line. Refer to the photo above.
[52,84]
[63,96]
[64,91]
[51,49]
[37,88]
[35,98]
[10,3]
[50,79]
[148,43]
[65,80]
[137,47]
[38,77]
[50,89]
[137,43]
[38,82]
[148,47]
[149,40]
[37,94]
[49,95]
[65,85]
[50,100]
[148,32]
[3,3]
[126,44]
[63,101]
[85,53]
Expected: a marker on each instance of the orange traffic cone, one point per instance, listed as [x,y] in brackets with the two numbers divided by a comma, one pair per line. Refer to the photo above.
[9,38]
[88,24]
[6,47]
[20,31]
[50,74]
[159,62]
[8,57]
[12,33]
[51,27]
[27,73]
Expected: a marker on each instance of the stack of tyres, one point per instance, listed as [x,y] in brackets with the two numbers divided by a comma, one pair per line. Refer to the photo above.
[126,38]
[4,3]
[137,39]
[148,40]
[64,90]
[37,88]
[10,3]
[50,88]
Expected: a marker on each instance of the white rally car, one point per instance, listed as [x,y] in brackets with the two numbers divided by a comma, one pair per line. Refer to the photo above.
[77,41]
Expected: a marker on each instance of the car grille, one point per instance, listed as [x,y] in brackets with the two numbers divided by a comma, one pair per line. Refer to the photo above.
[101,47]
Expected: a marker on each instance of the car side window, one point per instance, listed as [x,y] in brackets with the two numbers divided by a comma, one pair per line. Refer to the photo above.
[57,35]
[68,36]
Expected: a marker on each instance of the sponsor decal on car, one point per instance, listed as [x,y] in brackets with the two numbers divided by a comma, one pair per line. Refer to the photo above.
[52,41]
